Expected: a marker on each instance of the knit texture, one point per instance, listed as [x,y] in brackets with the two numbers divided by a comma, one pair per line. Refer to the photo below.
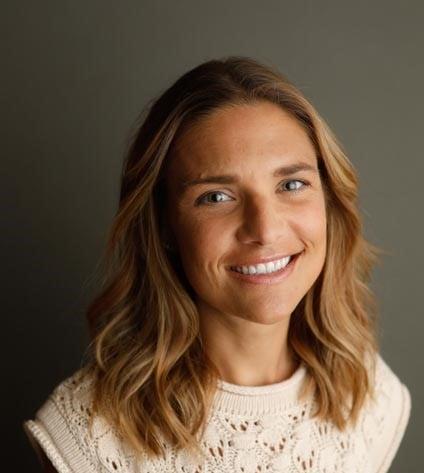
[250,430]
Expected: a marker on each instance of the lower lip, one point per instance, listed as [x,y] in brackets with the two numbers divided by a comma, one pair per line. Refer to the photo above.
[270,278]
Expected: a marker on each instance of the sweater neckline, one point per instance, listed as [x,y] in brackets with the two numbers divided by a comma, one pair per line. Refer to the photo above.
[260,399]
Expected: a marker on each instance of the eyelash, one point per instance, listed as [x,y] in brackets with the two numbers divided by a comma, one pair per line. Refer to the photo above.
[200,200]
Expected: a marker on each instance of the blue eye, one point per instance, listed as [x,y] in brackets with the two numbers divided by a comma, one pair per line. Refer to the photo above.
[296,189]
[204,198]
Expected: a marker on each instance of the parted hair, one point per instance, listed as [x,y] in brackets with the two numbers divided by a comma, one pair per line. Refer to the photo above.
[152,379]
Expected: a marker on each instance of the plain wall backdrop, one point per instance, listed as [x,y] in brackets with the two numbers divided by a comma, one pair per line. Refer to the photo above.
[76,74]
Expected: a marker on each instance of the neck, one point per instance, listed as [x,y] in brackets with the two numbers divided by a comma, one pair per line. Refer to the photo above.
[247,353]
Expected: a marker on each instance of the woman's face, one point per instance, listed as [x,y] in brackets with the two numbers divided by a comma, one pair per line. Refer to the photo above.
[253,213]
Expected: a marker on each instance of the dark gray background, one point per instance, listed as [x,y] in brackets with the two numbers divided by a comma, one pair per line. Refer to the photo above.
[75,76]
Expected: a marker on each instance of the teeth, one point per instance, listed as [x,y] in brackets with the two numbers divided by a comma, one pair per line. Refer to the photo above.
[262,268]
[270,267]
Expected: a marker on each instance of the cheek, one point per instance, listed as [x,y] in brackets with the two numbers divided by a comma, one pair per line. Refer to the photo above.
[201,244]
[313,223]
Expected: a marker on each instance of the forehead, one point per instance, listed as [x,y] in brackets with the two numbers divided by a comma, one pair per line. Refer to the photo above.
[242,135]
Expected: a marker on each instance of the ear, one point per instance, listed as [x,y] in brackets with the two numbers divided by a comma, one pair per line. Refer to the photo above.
[164,217]
[168,238]
[166,233]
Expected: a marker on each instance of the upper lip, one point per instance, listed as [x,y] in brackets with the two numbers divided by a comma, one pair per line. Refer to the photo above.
[255,261]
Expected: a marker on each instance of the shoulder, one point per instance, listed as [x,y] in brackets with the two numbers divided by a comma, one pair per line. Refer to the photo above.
[385,419]
[61,429]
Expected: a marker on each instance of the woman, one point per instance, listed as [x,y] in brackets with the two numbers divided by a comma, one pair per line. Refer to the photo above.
[235,329]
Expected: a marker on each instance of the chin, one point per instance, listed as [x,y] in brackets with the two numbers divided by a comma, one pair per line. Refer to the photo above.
[270,316]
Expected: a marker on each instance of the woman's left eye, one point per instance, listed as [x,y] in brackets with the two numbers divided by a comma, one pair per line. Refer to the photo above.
[294,188]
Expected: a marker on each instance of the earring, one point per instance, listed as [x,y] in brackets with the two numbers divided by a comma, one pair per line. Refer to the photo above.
[168,246]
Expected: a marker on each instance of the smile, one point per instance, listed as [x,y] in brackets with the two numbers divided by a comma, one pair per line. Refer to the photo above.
[263,268]
[266,273]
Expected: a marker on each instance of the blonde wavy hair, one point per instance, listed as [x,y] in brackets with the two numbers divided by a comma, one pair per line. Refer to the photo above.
[153,380]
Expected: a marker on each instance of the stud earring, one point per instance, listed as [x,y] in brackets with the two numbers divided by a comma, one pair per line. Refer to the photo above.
[168,246]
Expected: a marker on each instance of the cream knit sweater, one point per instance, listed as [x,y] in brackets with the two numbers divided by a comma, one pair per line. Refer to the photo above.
[260,429]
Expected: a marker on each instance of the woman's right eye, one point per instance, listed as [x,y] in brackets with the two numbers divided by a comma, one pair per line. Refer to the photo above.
[204,198]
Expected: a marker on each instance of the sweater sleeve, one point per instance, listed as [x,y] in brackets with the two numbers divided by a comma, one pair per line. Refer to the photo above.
[53,433]
[72,438]
[42,443]
[61,428]
[391,416]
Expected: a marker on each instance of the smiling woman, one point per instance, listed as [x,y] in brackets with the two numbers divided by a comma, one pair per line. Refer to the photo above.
[235,329]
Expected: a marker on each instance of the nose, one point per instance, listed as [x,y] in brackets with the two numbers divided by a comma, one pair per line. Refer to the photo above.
[262,222]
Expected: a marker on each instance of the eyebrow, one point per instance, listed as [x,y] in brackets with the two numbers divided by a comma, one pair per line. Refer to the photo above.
[282,171]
